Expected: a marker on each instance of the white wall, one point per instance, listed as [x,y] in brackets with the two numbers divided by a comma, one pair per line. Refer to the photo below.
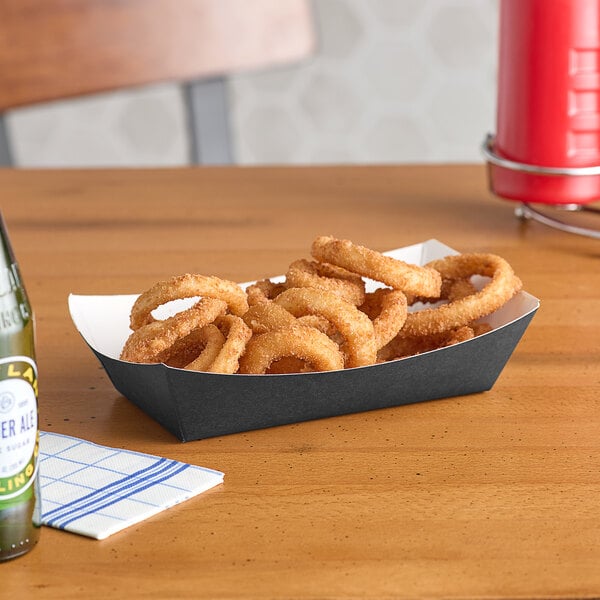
[393,81]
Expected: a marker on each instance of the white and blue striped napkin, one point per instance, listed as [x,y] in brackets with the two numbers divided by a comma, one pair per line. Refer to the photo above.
[96,491]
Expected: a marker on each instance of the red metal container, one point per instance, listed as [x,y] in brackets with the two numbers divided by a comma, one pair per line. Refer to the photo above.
[547,143]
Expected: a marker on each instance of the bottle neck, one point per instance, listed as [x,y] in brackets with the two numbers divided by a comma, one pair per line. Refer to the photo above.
[10,276]
[8,255]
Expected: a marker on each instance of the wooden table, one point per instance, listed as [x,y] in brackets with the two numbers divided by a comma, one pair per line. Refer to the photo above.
[491,495]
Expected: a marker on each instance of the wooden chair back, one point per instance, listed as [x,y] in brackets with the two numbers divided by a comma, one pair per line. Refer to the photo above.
[51,49]
[56,49]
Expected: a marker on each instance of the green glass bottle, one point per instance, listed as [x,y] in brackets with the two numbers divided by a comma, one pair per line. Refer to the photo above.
[19,434]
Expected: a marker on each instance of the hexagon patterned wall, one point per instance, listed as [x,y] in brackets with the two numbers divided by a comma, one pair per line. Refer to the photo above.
[391,81]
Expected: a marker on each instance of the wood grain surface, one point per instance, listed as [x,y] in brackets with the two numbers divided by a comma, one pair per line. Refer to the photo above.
[52,49]
[493,495]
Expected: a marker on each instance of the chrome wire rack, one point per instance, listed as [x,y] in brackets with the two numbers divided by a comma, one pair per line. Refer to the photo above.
[566,217]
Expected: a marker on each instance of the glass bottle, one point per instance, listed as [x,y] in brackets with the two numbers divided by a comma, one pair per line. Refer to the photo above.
[19,434]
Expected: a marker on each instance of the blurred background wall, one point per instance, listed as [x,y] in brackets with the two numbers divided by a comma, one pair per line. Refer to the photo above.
[391,81]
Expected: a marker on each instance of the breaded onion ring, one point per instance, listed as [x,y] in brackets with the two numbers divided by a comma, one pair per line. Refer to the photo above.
[457,289]
[320,317]
[411,279]
[288,364]
[481,328]
[197,350]
[401,347]
[268,316]
[322,324]
[187,286]
[452,289]
[387,309]
[354,325]
[324,276]
[504,285]
[237,334]
[263,291]
[151,343]
[304,343]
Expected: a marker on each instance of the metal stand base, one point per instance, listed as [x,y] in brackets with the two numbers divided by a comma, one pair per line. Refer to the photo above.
[528,211]
[208,120]
[6,159]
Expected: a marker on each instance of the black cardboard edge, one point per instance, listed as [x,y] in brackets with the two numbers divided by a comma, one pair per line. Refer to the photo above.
[147,388]
[194,406]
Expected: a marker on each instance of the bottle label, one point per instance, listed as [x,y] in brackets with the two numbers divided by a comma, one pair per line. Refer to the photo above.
[19,441]
[10,281]
[13,314]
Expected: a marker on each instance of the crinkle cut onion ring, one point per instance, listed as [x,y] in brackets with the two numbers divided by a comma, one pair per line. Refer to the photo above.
[151,343]
[504,284]
[304,343]
[411,279]
[324,276]
[354,325]
[187,286]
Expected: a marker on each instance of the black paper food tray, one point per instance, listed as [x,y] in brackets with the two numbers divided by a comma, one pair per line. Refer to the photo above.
[193,405]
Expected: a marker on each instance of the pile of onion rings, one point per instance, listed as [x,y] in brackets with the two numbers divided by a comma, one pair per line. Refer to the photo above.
[321,317]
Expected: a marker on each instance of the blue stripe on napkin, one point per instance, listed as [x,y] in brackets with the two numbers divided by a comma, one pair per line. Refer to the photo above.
[95,490]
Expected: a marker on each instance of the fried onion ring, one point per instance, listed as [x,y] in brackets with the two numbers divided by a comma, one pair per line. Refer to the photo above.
[288,364]
[263,291]
[197,350]
[401,347]
[187,286]
[237,334]
[268,316]
[387,309]
[322,324]
[411,279]
[324,276]
[457,289]
[152,342]
[504,284]
[354,325]
[320,317]
[481,328]
[304,343]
